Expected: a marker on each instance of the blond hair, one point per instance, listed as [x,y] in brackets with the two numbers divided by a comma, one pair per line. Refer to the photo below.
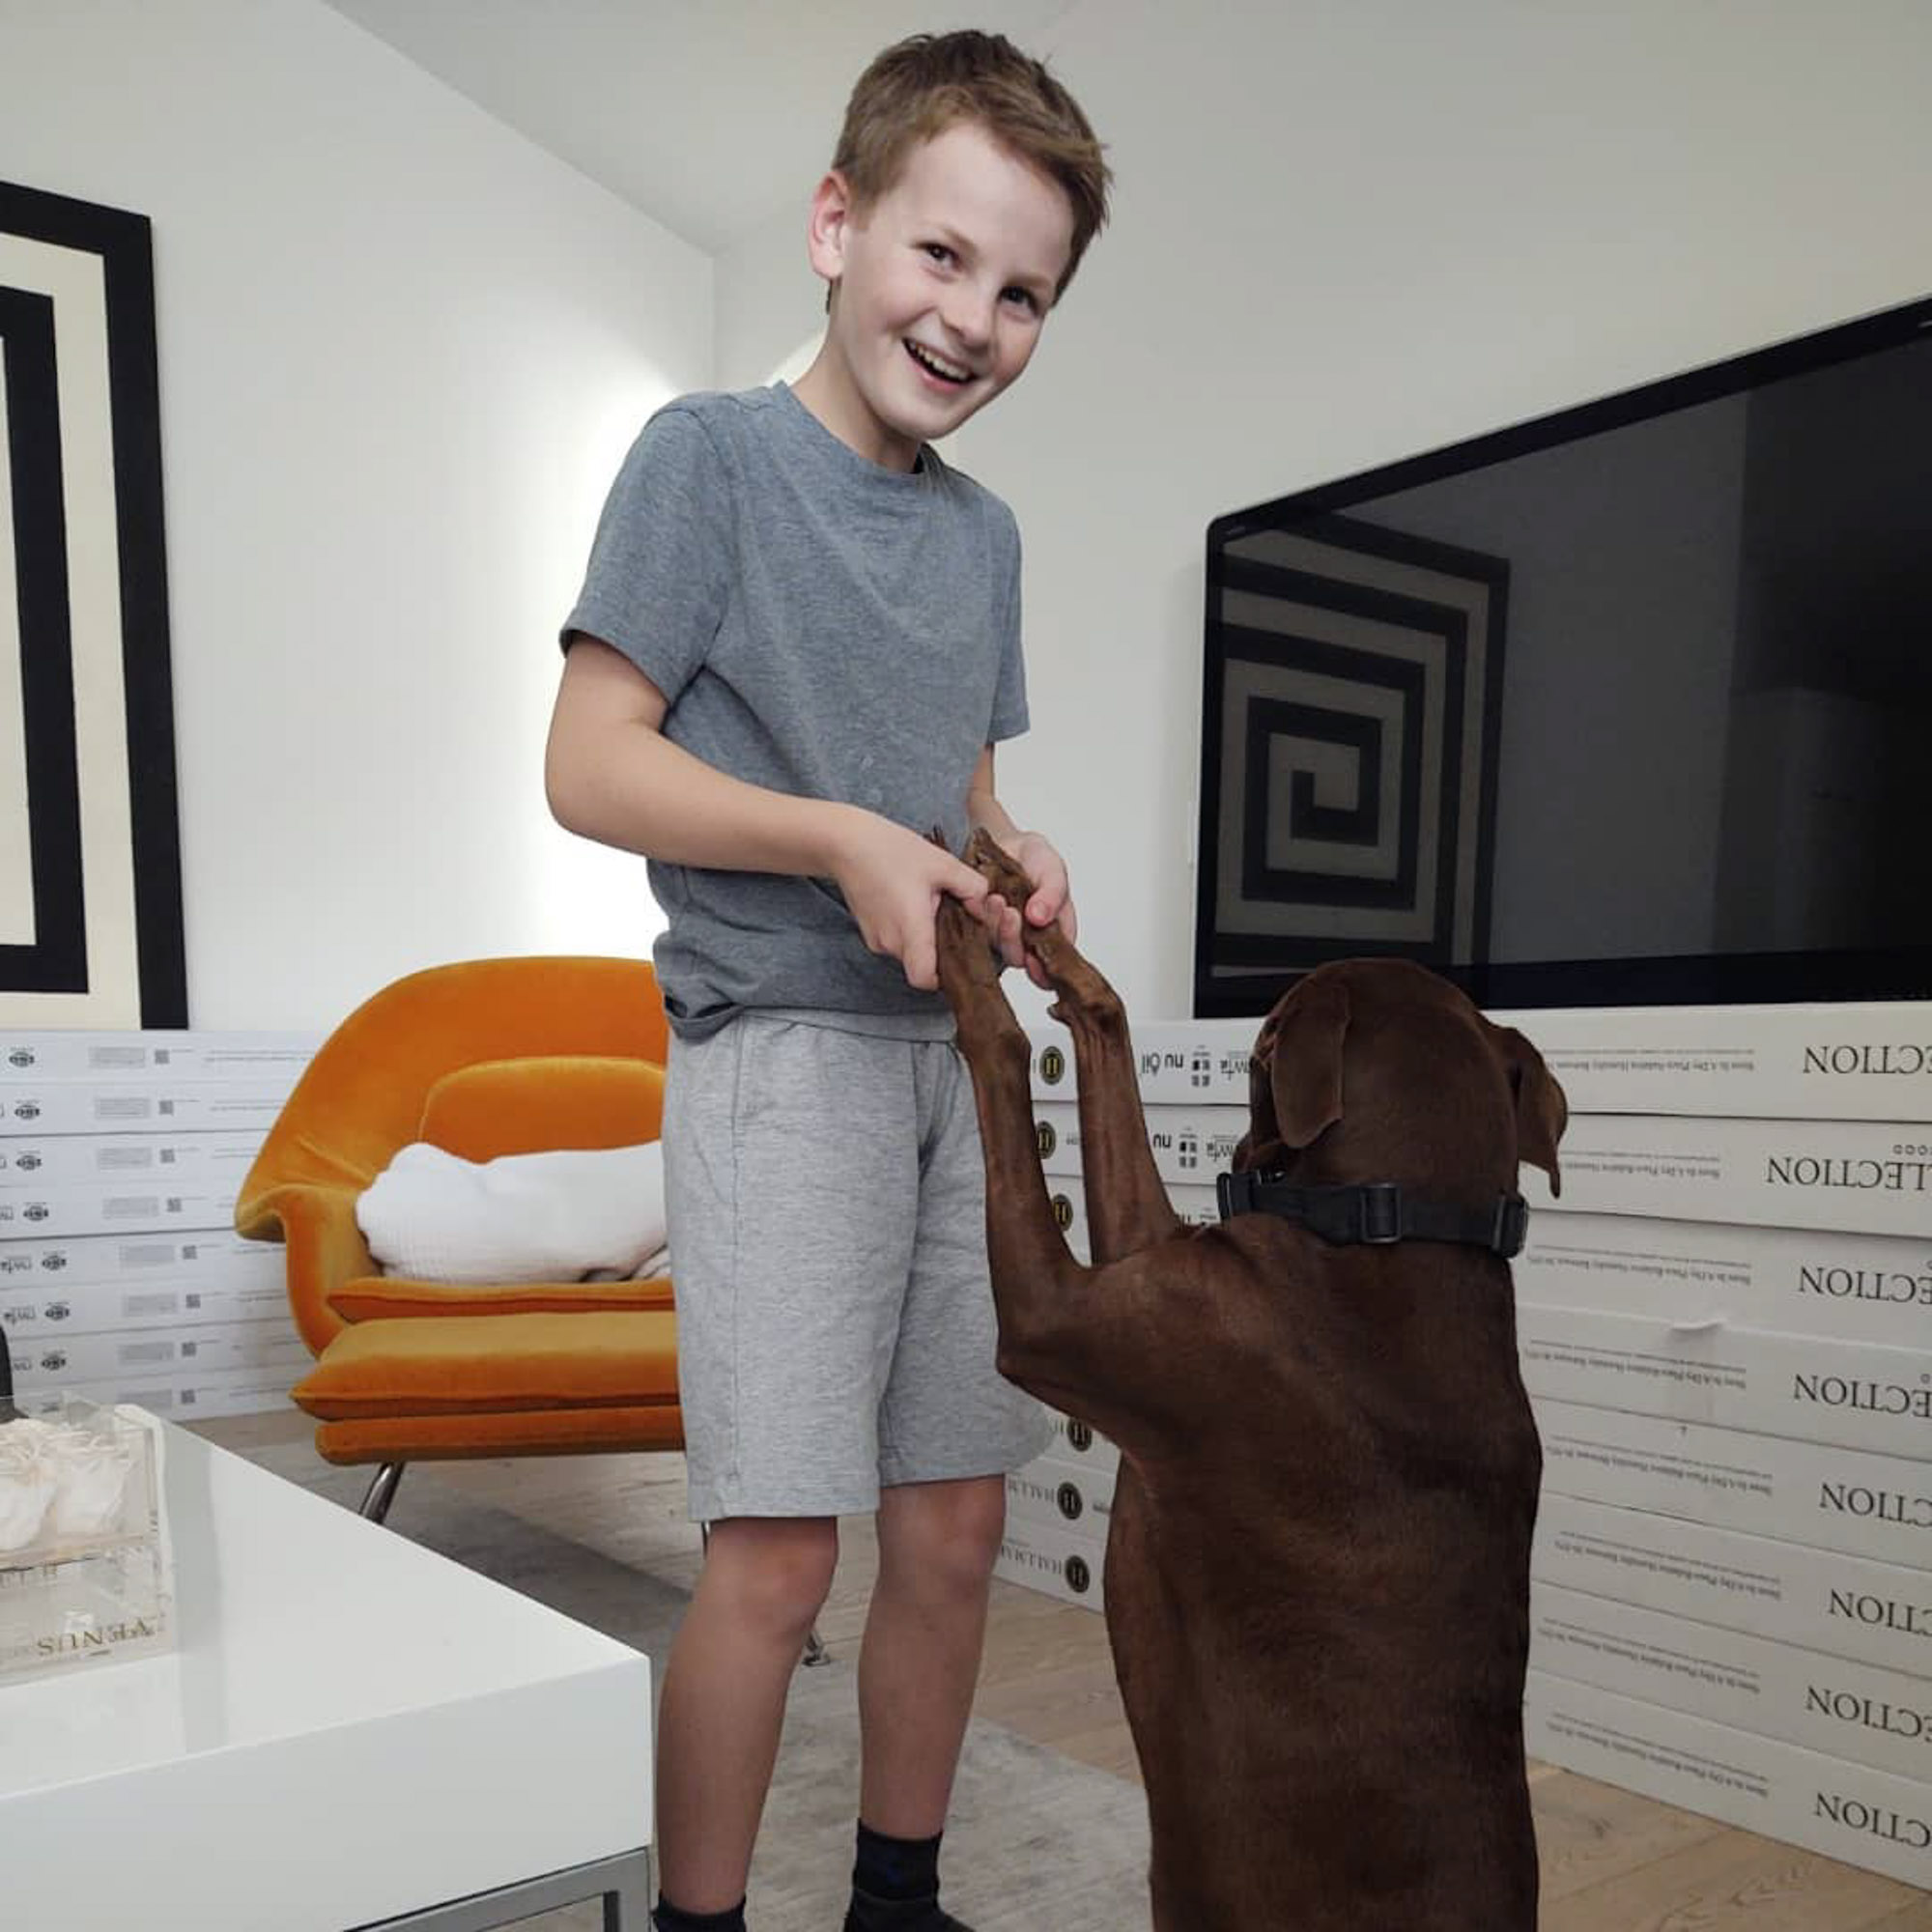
[923,85]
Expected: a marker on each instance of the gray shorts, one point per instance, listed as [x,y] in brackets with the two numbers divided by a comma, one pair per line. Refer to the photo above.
[836,1335]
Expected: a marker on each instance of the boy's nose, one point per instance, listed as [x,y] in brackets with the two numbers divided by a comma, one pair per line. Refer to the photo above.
[969,315]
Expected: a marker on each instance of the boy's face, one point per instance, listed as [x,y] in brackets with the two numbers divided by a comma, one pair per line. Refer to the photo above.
[943,284]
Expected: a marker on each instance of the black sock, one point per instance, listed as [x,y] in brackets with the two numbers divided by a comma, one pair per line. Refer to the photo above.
[897,1870]
[668,1918]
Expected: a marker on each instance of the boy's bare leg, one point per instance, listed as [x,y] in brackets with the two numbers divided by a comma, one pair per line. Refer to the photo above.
[763,1582]
[920,1657]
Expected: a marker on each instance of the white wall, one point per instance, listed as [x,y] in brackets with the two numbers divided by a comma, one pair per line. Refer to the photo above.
[771,308]
[402,351]
[1344,234]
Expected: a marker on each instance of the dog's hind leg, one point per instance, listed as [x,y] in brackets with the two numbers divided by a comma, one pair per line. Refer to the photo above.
[1127,1207]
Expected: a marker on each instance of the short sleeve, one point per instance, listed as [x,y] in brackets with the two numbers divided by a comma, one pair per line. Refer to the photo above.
[661,563]
[1009,717]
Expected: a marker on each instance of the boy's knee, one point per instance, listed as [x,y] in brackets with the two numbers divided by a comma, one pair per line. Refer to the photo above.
[776,1571]
[947,1534]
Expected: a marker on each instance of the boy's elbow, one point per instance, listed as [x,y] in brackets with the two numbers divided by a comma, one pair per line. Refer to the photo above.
[565,794]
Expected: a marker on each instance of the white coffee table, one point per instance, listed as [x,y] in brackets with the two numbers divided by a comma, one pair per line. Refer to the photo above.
[352,1732]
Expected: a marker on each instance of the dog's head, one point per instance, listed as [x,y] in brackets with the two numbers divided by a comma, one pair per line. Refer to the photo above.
[1409,1055]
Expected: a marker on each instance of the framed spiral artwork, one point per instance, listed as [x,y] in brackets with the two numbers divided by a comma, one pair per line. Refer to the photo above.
[1349,718]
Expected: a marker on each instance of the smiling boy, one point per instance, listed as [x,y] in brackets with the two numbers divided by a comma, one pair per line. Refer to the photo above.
[795,650]
[942,285]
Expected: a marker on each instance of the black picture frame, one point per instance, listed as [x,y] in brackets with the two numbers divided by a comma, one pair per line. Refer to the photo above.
[96,937]
[1350,712]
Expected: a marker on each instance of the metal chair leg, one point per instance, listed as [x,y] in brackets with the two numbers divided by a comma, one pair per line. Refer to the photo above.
[381,1492]
[816,1651]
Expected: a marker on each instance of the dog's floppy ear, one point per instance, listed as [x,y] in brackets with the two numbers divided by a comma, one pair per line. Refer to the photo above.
[1306,1072]
[1542,1112]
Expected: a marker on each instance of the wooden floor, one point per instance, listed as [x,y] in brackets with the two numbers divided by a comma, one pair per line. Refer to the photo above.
[1612,1862]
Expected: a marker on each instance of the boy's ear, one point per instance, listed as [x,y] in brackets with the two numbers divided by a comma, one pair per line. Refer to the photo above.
[825,232]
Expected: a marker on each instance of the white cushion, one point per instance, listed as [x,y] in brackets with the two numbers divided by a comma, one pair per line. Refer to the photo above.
[554,1217]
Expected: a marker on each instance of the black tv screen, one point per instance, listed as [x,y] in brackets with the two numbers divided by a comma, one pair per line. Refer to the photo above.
[1629,705]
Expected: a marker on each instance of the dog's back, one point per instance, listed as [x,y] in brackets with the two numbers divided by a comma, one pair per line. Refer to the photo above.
[1329,1668]
[1319,1602]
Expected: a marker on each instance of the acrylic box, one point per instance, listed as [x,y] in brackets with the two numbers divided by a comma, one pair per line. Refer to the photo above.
[85,1571]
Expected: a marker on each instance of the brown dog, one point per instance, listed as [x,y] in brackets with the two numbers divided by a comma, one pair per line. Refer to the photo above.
[1317,1571]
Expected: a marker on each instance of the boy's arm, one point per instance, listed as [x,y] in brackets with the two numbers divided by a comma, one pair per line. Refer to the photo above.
[612,775]
[1036,857]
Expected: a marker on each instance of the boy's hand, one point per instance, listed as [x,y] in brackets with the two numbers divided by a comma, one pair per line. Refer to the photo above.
[1049,905]
[892,880]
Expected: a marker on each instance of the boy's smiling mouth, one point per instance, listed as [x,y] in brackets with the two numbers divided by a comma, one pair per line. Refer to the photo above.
[936,365]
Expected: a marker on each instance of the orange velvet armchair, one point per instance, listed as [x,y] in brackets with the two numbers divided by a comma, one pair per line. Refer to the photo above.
[483,1058]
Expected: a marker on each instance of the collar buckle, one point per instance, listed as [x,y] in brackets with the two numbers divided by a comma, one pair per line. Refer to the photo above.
[1512,1226]
[1378,1213]
[1238,1193]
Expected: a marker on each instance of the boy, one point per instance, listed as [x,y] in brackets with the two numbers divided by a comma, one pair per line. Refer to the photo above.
[796,647]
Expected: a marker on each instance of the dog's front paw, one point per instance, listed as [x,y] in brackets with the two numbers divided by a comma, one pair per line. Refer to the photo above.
[993,863]
[966,960]
[1081,991]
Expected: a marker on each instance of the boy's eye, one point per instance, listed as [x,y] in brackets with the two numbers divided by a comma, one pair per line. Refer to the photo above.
[939,251]
[1026,299]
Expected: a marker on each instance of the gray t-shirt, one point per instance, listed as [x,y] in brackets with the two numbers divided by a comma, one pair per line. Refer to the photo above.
[821,626]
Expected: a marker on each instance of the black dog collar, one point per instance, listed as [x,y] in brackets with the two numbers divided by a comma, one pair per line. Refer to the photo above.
[1376,1214]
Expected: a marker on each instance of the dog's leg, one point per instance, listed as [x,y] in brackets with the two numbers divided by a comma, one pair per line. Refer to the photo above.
[1126,1205]
[1099,1343]
[1075,1337]
[1026,1249]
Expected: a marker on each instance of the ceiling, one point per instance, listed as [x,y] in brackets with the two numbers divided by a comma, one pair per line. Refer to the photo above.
[711,116]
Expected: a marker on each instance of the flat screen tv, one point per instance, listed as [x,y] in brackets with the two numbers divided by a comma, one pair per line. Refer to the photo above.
[1629,705]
